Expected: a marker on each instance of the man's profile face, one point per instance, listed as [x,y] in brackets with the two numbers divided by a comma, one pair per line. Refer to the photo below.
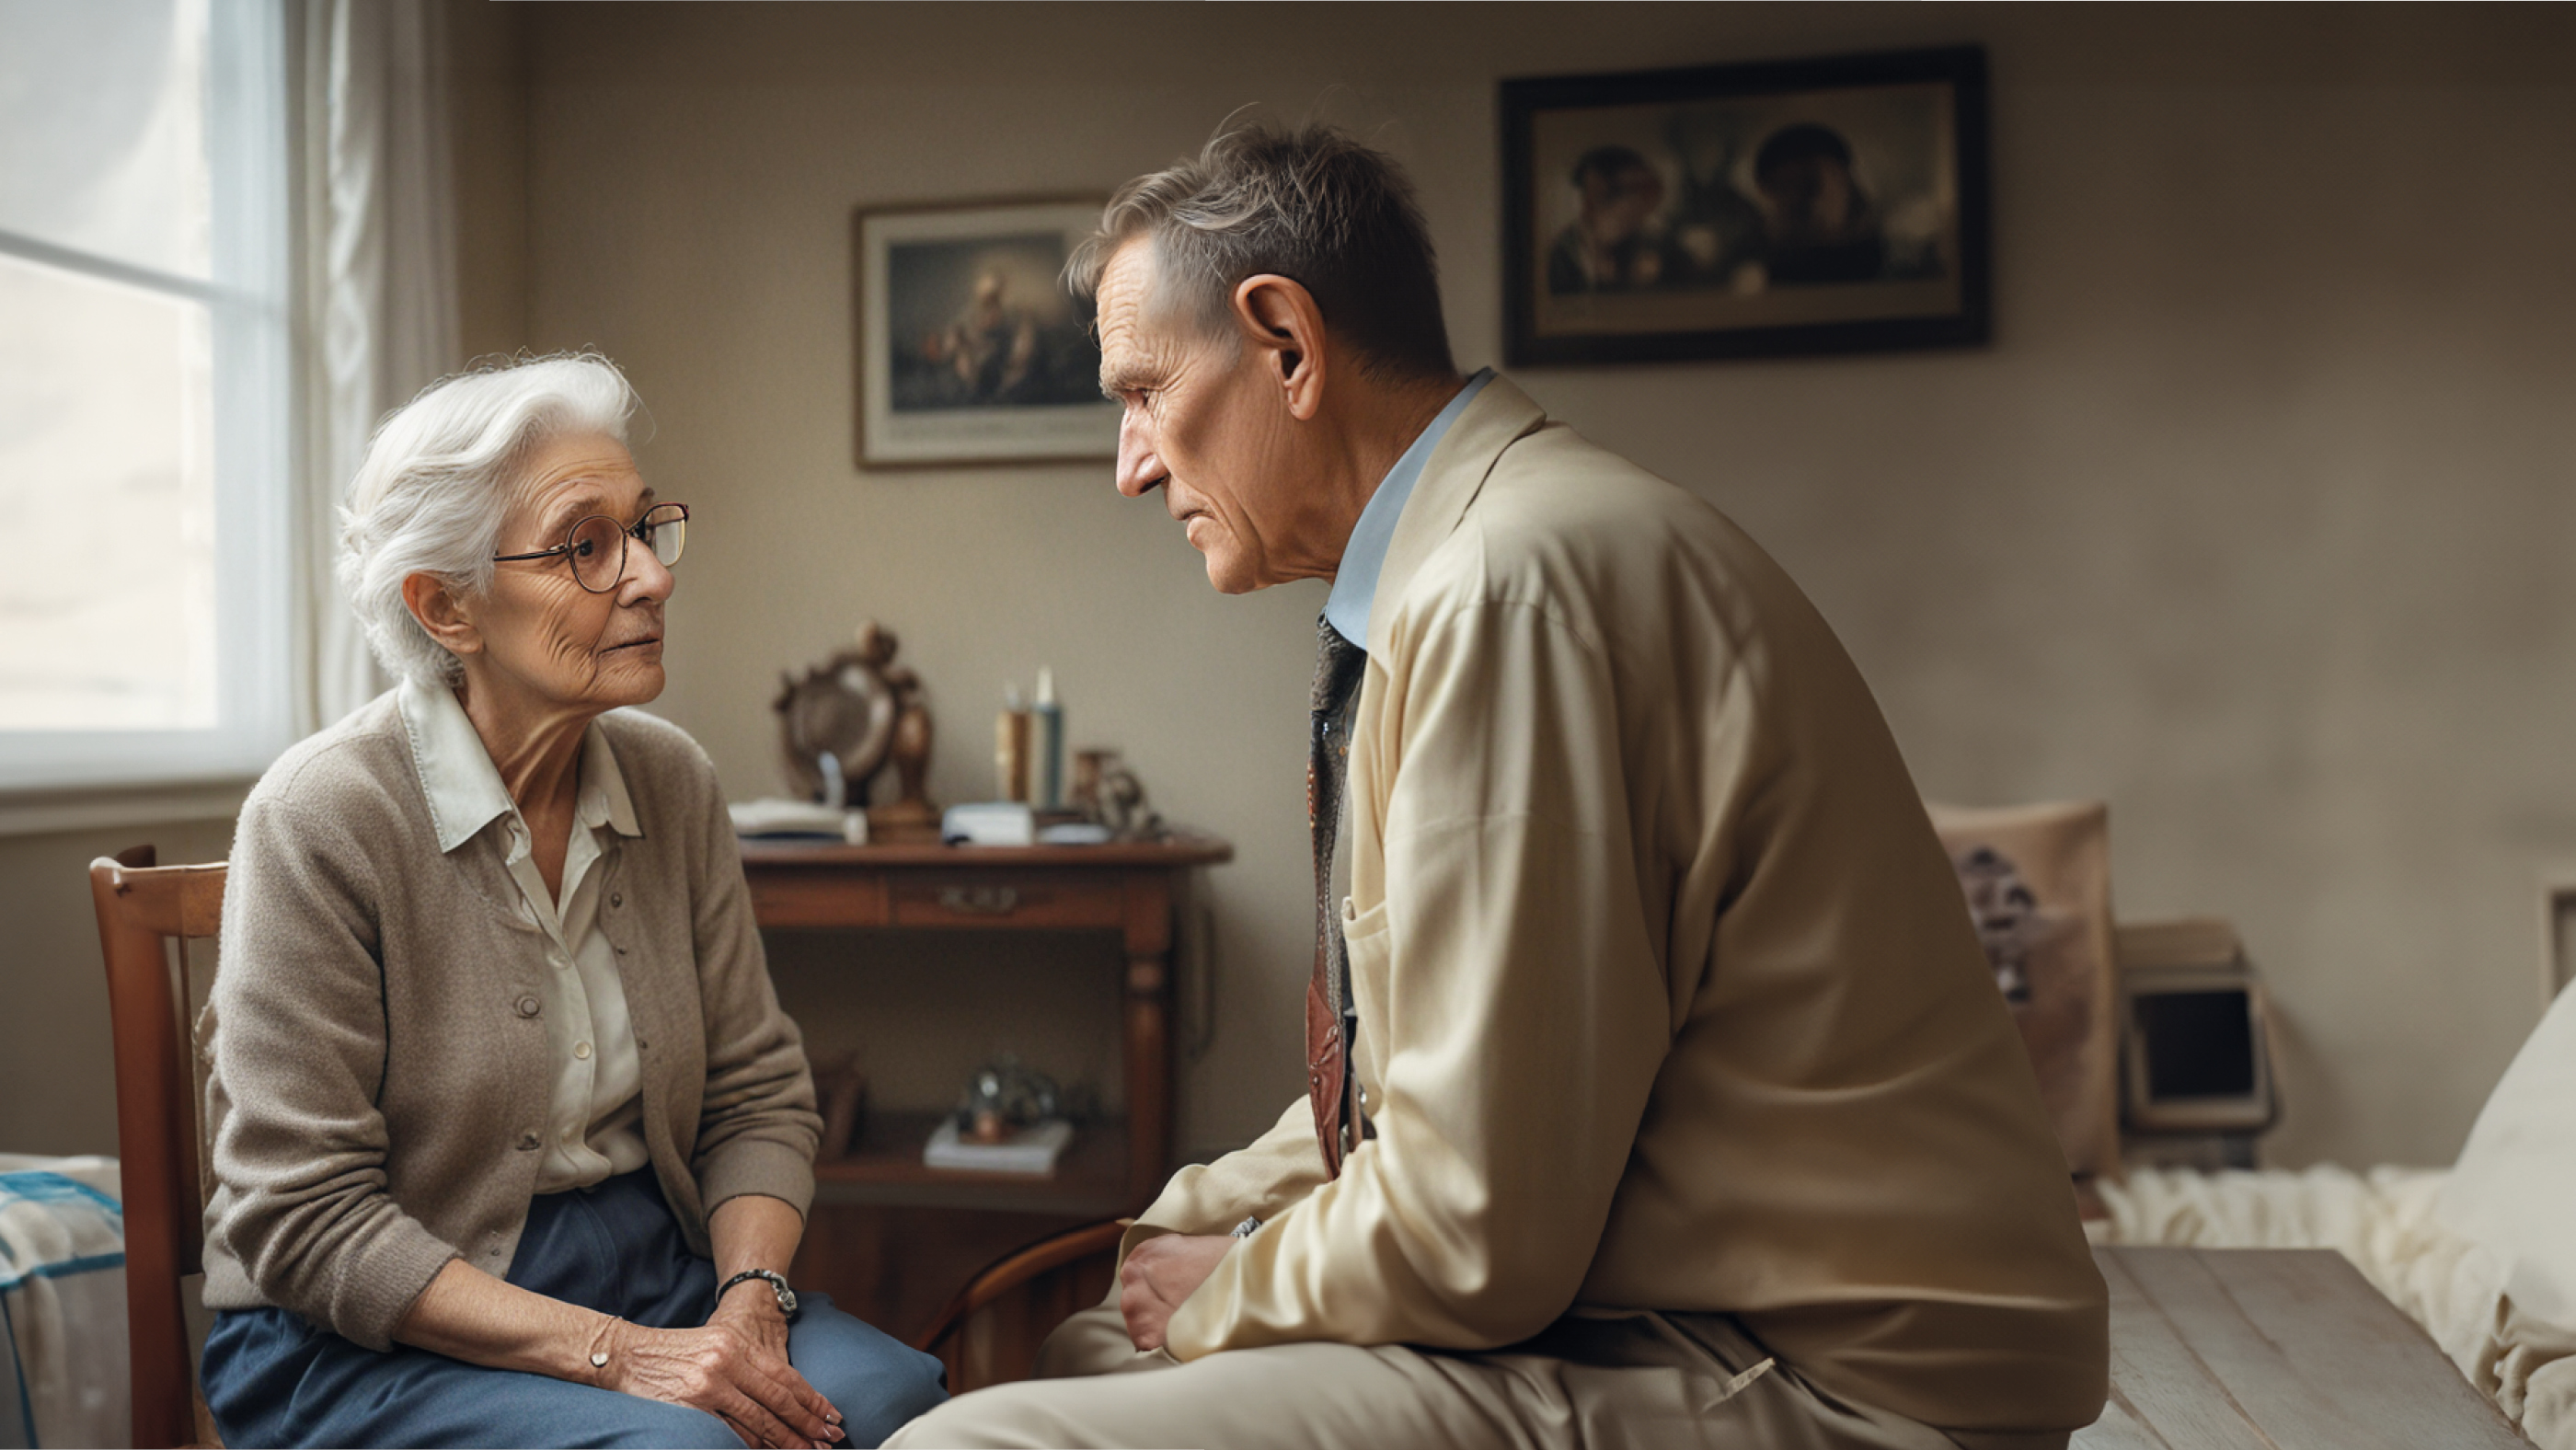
[1200,421]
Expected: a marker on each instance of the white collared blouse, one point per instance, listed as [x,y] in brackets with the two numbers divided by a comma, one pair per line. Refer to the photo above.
[593,1127]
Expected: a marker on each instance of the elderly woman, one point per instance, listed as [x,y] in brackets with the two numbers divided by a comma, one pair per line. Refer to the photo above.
[512,1142]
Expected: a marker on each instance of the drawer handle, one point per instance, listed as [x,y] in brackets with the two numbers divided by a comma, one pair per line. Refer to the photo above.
[979,900]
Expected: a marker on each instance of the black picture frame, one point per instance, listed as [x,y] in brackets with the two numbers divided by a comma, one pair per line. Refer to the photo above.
[1586,155]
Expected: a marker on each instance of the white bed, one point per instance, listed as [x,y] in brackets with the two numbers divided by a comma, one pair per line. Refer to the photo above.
[2482,1254]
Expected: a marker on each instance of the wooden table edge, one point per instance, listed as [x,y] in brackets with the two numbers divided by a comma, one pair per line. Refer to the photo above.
[1177,851]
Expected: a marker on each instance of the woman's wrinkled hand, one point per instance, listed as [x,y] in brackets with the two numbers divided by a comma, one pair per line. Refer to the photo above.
[752,1310]
[734,1368]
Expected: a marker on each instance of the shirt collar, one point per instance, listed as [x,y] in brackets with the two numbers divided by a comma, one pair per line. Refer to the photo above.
[464,788]
[1355,581]
[604,800]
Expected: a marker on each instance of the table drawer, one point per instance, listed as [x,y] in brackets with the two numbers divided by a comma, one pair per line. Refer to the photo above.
[816,897]
[1034,899]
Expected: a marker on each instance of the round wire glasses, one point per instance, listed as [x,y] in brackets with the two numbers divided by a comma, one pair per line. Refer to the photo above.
[596,545]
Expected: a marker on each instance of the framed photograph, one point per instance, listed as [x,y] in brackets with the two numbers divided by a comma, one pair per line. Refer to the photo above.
[970,348]
[1811,206]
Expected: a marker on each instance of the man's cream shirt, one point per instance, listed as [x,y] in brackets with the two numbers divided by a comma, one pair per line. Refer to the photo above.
[1667,996]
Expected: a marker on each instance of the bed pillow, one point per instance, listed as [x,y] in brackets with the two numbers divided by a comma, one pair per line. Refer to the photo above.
[2514,1188]
[2037,883]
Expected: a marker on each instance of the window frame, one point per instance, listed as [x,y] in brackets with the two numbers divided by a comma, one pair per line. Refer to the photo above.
[248,303]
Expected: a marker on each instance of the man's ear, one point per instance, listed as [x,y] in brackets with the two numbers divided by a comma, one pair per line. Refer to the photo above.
[435,603]
[1285,329]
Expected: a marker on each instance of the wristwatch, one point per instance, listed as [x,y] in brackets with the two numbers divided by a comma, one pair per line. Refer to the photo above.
[777,1286]
[1247,1228]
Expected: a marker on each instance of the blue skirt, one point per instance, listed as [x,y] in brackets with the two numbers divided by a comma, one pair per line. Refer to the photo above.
[271,1378]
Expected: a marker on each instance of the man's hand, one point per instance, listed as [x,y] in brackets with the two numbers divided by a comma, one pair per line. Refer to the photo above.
[1158,1275]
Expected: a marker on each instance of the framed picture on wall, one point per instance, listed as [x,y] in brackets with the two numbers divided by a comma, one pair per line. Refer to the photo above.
[1809,206]
[971,350]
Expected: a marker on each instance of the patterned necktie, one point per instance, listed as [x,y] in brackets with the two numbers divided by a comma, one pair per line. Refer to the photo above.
[1330,1021]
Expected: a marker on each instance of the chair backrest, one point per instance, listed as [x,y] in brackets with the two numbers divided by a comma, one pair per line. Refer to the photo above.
[146,913]
[989,1334]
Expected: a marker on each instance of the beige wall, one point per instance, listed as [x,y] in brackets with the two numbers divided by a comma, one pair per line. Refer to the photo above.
[57,1076]
[487,55]
[2254,520]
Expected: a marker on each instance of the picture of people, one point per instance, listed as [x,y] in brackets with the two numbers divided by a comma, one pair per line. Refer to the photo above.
[1610,245]
[1747,209]
[971,350]
[989,324]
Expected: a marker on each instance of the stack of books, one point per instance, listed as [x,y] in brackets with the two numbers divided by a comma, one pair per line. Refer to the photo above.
[1030,1150]
[773,819]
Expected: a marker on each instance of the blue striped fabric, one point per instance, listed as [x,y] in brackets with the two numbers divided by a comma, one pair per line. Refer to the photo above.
[56,1232]
[38,1185]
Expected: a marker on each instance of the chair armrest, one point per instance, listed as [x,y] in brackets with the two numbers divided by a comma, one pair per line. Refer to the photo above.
[1017,1268]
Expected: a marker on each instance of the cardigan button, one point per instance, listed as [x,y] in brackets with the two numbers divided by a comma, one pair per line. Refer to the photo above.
[527,1006]
[527,1142]
[617,898]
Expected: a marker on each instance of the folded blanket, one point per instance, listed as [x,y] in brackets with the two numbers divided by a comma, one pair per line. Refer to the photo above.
[2386,1223]
[63,1363]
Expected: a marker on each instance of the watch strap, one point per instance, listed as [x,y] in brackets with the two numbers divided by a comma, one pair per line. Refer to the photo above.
[786,1297]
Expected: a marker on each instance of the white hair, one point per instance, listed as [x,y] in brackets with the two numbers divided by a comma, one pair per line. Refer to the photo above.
[440,476]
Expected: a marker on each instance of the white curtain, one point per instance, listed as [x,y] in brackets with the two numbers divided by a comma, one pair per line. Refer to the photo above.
[377,268]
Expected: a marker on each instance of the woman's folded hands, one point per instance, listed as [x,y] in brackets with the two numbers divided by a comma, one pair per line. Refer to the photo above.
[734,1367]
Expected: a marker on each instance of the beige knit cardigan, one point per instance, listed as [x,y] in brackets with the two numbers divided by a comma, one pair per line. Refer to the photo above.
[380,1078]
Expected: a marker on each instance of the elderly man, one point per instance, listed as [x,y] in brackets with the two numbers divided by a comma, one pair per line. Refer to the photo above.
[1680,1105]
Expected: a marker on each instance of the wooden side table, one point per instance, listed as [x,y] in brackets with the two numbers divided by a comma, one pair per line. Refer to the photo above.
[1128,888]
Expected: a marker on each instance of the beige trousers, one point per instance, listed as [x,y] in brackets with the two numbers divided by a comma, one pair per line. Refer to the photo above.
[1649,1381]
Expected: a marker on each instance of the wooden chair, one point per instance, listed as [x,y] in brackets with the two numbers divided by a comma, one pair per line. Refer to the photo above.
[989,1333]
[146,914]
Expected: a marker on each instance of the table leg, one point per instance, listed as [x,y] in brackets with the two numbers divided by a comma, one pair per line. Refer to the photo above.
[1149,1039]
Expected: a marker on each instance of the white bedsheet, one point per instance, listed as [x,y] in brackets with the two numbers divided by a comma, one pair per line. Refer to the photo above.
[2386,1223]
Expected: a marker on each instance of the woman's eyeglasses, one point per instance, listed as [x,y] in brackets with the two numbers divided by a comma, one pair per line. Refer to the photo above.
[597,545]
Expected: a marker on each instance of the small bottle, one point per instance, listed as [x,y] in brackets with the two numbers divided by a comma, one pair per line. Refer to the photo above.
[1048,733]
[1011,748]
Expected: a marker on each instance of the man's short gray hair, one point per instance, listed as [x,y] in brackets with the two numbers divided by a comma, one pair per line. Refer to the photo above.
[440,476]
[1311,204]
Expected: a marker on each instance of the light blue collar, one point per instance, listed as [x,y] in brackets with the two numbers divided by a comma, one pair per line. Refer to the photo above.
[1355,582]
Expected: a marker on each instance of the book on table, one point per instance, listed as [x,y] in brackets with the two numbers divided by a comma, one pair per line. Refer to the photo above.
[1030,1150]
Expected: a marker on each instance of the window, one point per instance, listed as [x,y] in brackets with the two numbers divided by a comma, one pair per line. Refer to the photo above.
[144,460]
